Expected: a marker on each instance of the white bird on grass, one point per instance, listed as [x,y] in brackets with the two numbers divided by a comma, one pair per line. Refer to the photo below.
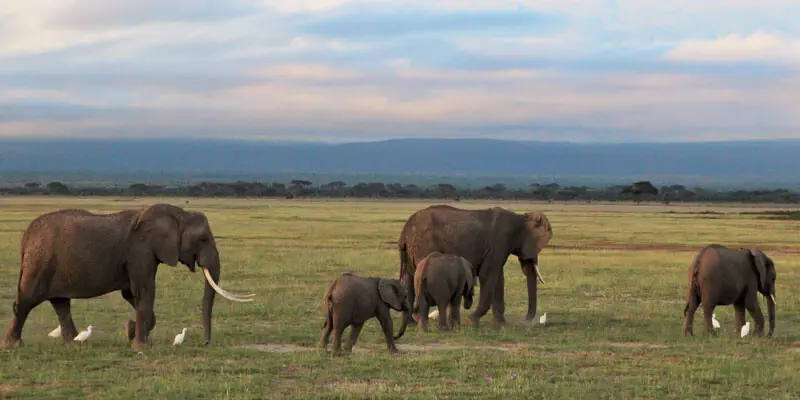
[179,338]
[543,319]
[714,321]
[83,335]
[745,329]
[55,332]
[434,314]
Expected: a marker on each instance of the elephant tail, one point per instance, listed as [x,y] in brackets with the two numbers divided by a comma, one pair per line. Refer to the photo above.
[693,291]
[404,259]
[327,306]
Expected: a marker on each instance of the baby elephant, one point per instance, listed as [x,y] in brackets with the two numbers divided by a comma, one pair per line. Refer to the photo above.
[351,300]
[442,280]
[723,276]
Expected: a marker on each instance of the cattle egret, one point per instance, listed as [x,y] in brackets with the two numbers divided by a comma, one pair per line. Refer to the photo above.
[745,329]
[84,335]
[714,321]
[543,318]
[434,314]
[55,332]
[179,338]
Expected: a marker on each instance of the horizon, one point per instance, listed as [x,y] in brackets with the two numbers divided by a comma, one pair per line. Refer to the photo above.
[378,140]
[353,71]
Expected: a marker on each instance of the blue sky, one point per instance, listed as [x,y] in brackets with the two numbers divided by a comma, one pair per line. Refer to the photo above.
[347,70]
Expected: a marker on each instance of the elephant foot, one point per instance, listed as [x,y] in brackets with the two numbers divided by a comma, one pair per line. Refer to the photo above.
[474,321]
[12,343]
[393,350]
[139,346]
[497,324]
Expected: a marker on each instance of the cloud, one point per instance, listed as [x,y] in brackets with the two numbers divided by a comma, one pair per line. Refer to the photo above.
[96,14]
[757,46]
[369,69]
[360,25]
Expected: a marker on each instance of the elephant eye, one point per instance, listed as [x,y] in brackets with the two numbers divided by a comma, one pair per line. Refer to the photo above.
[203,239]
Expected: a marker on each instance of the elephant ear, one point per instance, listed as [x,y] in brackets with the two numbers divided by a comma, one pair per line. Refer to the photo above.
[389,291]
[760,264]
[158,226]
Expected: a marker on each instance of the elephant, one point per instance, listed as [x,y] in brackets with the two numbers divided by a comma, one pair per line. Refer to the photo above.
[485,238]
[719,275]
[76,254]
[351,300]
[442,280]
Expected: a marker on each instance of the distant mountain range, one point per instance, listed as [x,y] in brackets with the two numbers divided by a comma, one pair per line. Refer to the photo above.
[774,162]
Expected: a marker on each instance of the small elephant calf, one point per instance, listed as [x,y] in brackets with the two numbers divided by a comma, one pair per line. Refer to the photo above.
[442,280]
[351,300]
[720,275]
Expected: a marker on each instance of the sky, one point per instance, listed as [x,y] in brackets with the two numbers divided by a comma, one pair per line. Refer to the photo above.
[363,70]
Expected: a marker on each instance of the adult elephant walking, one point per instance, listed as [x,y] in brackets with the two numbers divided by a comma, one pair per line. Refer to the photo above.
[485,238]
[76,254]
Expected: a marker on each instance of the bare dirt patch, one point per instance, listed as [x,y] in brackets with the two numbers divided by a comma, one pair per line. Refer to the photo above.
[655,247]
[412,348]
[358,386]
[634,345]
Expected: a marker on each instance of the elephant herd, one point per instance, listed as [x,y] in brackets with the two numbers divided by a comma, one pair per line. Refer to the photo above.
[444,252]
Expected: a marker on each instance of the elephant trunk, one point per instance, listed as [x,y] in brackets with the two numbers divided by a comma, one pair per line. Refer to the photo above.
[771,311]
[406,320]
[531,270]
[209,262]
[208,299]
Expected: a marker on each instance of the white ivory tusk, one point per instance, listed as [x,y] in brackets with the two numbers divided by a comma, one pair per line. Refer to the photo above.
[538,275]
[222,292]
[772,296]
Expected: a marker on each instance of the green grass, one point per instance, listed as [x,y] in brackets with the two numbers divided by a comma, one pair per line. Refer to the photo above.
[616,278]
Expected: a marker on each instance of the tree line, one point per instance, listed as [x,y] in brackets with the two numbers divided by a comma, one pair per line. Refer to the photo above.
[636,192]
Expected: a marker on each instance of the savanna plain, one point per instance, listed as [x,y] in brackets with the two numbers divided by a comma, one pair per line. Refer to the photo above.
[615,281]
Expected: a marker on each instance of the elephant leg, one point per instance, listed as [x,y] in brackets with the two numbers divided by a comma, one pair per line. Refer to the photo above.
[339,325]
[455,313]
[326,335]
[441,323]
[499,302]
[145,318]
[21,311]
[487,286]
[740,316]
[131,326]
[422,318]
[387,326]
[755,312]
[63,309]
[355,330]
[708,312]
[688,318]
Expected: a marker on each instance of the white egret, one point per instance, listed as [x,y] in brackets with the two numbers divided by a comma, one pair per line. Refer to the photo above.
[543,318]
[55,332]
[745,329]
[714,321]
[434,314]
[84,335]
[179,338]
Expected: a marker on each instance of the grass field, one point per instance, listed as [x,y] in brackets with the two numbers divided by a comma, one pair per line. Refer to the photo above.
[614,293]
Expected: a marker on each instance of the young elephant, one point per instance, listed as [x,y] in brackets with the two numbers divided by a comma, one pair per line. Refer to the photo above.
[723,276]
[351,300]
[442,280]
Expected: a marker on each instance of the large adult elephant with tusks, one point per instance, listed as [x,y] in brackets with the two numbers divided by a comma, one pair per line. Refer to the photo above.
[485,238]
[75,254]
